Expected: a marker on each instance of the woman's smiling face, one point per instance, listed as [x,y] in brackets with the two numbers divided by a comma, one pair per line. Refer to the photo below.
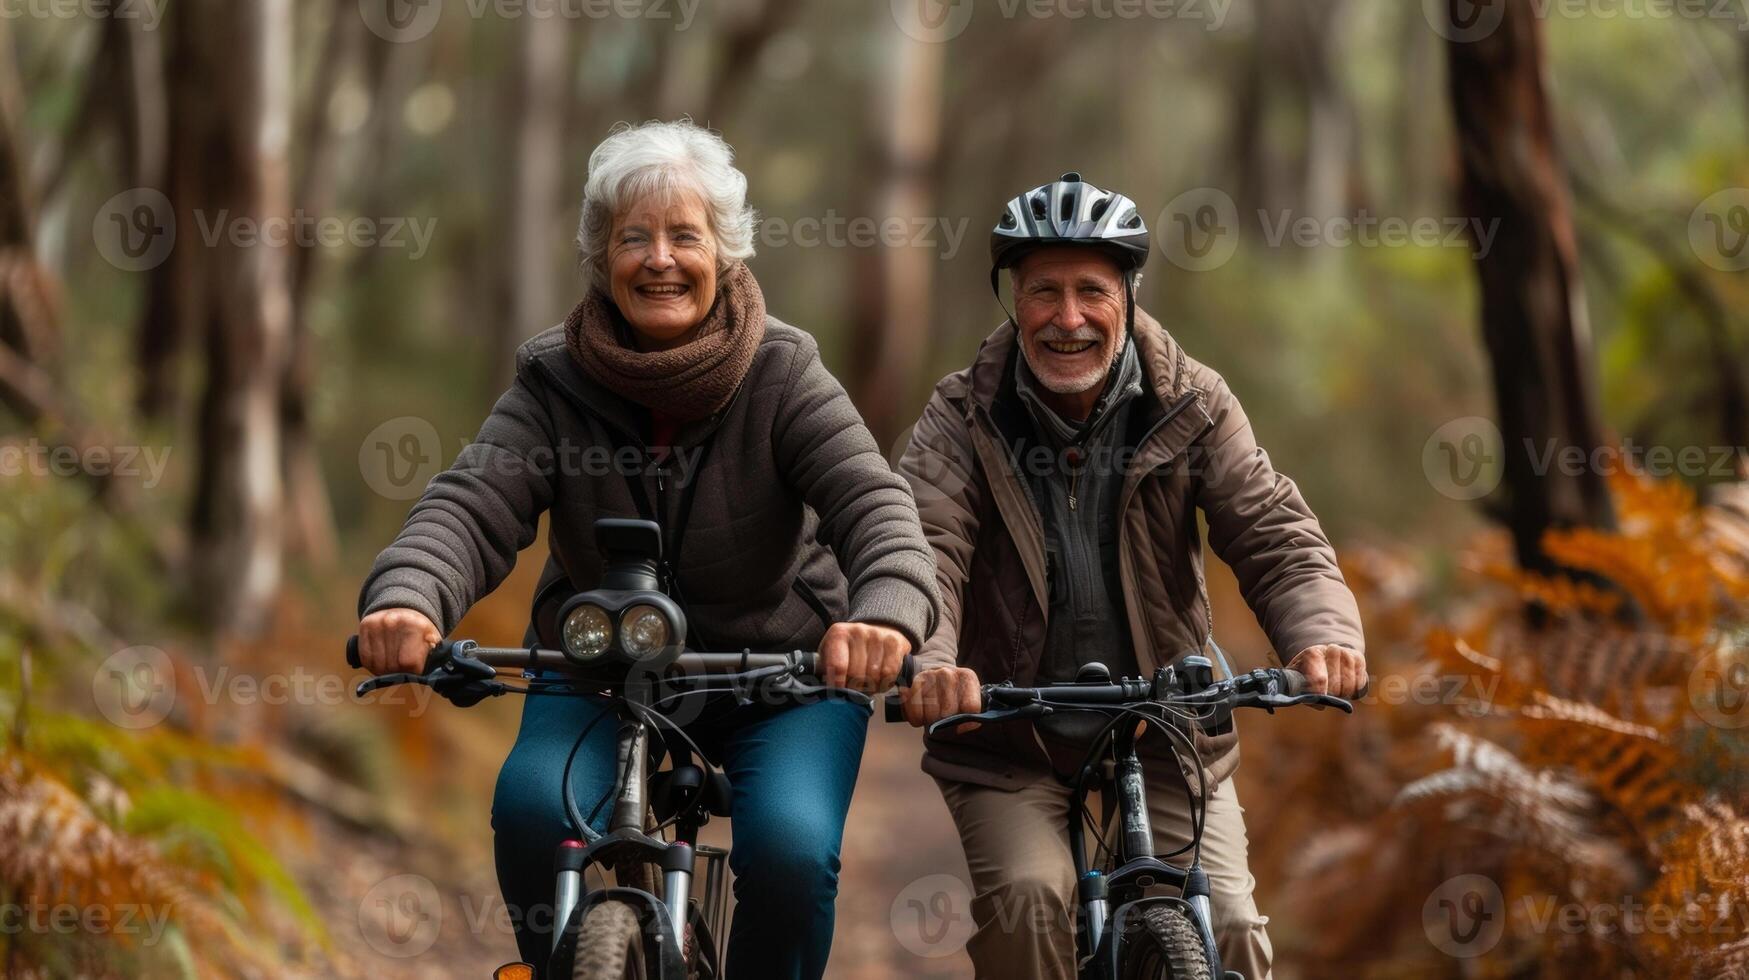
[662,267]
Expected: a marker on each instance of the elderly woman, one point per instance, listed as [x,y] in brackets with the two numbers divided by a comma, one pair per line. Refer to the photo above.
[768,463]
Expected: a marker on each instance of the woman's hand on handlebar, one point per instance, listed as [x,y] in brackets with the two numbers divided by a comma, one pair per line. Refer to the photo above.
[391,640]
[864,657]
[938,692]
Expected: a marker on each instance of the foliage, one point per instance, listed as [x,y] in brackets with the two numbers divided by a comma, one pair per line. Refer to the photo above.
[122,852]
[1581,766]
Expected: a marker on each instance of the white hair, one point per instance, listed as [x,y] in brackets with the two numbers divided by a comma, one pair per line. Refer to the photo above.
[636,161]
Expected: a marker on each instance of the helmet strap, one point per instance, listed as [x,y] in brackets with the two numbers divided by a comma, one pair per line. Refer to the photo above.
[1129,294]
[996,287]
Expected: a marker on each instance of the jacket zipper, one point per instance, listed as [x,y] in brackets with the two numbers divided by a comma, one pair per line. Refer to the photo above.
[1172,412]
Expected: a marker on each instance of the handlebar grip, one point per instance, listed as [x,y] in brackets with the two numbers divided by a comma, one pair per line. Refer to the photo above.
[1293,681]
[894,707]
[438,654]
[907,671]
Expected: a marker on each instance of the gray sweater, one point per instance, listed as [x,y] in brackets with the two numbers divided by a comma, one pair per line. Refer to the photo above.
[797,520]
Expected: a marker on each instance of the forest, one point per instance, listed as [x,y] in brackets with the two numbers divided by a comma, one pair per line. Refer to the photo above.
[1477,269]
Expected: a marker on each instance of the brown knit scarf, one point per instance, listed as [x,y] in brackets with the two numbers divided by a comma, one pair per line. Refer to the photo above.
[691,381]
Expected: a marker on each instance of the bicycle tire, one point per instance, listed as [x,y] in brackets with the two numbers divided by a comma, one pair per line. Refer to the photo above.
[610,944]
[1164,945]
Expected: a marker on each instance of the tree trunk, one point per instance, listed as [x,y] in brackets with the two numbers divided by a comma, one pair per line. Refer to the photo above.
[1533,306]
[309,515]
[172,285]
[892,337]
[17,222]
[538,192]
[244,49]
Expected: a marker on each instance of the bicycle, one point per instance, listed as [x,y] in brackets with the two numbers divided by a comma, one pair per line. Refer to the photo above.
[1125,930]
[625,641]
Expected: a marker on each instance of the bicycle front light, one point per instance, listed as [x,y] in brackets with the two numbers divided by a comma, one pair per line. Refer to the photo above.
[645,631]
[587,632]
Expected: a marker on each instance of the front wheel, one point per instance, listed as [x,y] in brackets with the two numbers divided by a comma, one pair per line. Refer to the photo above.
[610,944]
[1164,945]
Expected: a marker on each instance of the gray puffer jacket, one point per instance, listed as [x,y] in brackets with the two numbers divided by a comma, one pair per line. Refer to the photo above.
[796,521]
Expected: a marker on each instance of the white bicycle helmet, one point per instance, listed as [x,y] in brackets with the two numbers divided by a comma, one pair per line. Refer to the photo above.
[1070,211]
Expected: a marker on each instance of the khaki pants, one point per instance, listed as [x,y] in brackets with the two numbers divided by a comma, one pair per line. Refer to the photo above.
[1017,848]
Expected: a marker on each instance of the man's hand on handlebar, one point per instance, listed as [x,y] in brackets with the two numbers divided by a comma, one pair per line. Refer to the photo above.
[1331,669]
[938,692]
[396,640]
[864,657]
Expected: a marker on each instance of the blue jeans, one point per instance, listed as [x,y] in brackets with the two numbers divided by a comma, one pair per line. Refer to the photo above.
[793,769]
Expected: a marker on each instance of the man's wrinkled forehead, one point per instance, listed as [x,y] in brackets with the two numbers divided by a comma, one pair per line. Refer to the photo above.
[1067,263]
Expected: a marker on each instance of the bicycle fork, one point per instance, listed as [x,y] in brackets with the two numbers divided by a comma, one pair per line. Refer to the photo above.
[1137,843]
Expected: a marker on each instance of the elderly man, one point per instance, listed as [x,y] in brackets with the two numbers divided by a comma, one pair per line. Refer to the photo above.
[1058,480]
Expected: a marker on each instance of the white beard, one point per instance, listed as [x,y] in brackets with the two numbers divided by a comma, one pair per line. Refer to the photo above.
[1068,384]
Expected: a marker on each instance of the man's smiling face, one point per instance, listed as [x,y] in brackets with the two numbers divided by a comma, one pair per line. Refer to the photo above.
[1069,306]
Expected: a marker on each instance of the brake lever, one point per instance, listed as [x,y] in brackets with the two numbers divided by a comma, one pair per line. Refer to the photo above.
[370,684]
[789,685]
[1270,702]
[1030,710]
[461,679]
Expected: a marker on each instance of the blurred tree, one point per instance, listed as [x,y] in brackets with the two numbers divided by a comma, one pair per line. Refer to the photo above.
[894,308]
[236,82]
[1533,308]
[544,60]
[309,524]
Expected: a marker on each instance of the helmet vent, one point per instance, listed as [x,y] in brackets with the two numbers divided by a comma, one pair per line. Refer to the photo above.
[1038,207]
[1099,208]
[1133,221]
[1007,221]
[1066,211]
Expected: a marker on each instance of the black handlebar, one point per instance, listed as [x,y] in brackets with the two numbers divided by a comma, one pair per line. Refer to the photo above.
[1268,689]
[459,662]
